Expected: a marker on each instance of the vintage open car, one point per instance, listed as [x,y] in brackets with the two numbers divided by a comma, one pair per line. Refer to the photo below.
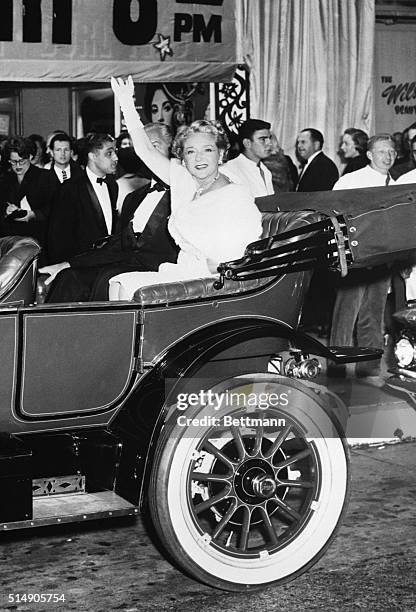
[166,404]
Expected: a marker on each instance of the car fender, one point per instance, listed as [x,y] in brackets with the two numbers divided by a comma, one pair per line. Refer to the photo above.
[204,354]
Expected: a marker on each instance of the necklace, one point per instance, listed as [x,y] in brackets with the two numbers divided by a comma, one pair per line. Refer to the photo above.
[200,191]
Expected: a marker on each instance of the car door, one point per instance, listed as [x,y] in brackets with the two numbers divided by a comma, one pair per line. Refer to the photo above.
[67,361]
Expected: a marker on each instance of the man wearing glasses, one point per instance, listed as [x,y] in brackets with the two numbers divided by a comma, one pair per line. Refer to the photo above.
[25,194]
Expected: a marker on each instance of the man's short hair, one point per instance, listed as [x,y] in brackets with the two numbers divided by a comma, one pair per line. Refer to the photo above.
[94,142]
[161,129]
[378,138]
[316,136]
[62,137]
[247,129]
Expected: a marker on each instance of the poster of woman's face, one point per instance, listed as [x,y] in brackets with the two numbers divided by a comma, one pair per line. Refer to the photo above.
[173,104]
[161,108]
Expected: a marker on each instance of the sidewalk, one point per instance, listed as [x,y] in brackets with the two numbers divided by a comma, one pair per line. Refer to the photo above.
[377,415]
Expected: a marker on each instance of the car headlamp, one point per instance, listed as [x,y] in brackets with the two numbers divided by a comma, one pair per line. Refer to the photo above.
[405,352]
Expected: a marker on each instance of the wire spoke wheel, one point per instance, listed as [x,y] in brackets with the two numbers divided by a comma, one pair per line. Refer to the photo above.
[247,495]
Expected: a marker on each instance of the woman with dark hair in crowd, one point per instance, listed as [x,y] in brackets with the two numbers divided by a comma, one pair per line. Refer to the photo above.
[25,192]
[354,149]
[284,173]
[212,219]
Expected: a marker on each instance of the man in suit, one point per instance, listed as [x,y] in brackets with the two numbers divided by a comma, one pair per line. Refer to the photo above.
[319,173]
[63,168]
[142,240]
[85,208]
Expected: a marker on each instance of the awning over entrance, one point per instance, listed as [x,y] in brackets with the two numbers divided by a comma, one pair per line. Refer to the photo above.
[90,40]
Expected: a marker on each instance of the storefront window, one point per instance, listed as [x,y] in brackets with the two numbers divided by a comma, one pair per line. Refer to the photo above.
[9,112]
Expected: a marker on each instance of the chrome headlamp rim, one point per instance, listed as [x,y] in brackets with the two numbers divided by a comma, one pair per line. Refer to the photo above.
[405,351]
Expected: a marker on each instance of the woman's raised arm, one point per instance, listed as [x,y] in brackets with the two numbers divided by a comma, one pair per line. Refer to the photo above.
[158,163]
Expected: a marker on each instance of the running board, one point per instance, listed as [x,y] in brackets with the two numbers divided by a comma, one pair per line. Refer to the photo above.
[74,508]
[352,354]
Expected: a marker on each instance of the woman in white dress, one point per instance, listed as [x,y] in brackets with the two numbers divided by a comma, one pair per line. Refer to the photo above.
[212,220]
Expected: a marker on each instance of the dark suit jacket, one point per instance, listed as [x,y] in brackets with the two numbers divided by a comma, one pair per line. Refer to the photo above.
[400,169]
[88,276]
[35,186]
[77,220]
[320,175]
[55,183]
[141,251]
[356,163]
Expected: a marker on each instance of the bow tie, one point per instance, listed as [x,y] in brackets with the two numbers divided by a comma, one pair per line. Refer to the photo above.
[100,180]
[158,187]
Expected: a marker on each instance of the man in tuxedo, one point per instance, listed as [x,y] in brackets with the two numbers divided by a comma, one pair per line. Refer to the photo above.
[85,208]
[142,240]
[319,173]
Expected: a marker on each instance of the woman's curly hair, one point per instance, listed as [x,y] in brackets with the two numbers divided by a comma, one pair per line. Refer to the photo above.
[201,126]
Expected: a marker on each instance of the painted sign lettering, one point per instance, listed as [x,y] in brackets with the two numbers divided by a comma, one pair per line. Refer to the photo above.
[67,40]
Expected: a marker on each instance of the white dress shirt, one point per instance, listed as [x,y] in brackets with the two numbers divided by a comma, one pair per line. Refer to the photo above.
[103,196]
[246,172]
[364,177]
[59,172]
[408,177]
[146,208]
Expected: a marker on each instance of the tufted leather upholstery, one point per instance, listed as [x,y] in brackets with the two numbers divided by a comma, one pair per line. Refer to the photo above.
[202,288]
[18,260]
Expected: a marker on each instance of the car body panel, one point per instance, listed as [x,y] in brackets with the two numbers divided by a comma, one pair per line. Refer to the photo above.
[66,366]
[85,361]
[279,301]
[8,370]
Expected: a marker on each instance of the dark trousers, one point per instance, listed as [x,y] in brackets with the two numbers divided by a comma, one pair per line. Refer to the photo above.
[359,310]
[85,284]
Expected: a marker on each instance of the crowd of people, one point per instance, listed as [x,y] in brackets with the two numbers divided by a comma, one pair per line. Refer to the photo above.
[152,206]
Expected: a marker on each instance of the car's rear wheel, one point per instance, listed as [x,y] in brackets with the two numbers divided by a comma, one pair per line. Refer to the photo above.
[241,499]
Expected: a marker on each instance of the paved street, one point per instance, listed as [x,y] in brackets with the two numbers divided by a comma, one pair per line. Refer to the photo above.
[370,566]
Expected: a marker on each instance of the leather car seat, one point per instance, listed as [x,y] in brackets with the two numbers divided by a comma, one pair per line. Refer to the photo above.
[202,288]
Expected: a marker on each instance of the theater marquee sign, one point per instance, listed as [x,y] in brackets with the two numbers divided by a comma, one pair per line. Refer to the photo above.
[89,40]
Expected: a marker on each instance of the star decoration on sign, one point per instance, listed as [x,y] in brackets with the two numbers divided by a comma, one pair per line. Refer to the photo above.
[163,46]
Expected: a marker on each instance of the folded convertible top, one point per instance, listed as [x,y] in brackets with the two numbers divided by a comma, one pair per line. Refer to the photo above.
[380,222]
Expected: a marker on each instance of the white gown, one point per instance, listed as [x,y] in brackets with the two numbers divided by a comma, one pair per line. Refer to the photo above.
[216,226]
